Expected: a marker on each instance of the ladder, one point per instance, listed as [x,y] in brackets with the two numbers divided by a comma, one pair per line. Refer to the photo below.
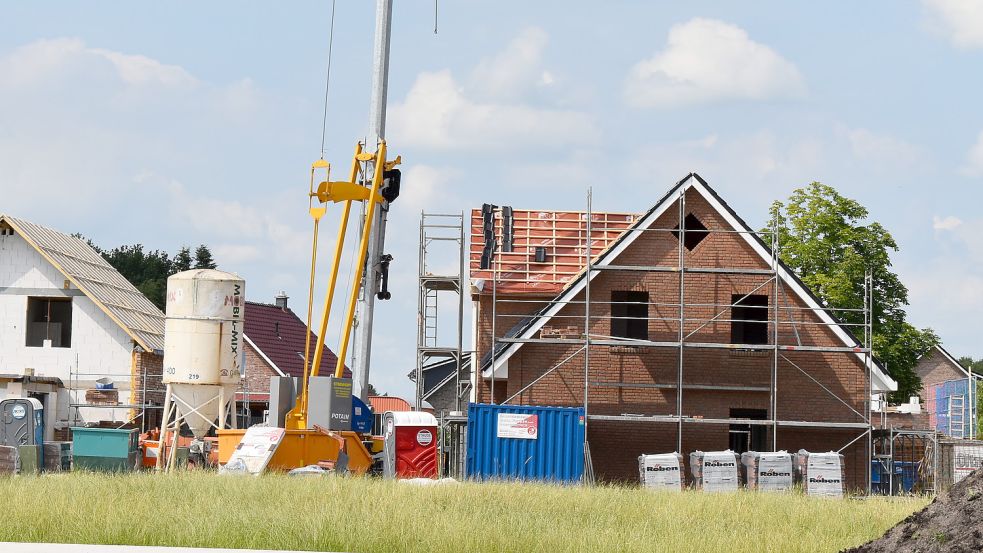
[430,318]
[957,416]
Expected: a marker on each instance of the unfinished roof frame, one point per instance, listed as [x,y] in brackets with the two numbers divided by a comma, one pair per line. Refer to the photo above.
[778,276]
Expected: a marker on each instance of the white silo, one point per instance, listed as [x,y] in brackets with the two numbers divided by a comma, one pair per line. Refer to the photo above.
[203,350]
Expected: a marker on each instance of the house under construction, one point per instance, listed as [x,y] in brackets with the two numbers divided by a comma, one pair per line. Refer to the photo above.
[676,330]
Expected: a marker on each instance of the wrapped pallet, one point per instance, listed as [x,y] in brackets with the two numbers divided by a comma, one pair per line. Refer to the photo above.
[57,456]
[31,459]
[764,471]
[9,459]
[821,474]
[714,471]
[662,471]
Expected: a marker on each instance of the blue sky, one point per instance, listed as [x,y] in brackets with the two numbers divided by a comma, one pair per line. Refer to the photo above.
[190,122]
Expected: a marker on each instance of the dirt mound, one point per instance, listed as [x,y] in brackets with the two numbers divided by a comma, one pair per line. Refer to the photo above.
[953,522]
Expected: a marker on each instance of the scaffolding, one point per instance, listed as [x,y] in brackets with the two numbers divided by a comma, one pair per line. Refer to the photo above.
[790,319]
[432,349]
[80,382]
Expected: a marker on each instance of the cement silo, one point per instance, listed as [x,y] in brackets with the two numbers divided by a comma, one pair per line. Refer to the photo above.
[203,351]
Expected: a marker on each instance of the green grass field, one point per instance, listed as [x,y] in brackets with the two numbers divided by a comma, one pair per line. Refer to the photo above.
[339,514]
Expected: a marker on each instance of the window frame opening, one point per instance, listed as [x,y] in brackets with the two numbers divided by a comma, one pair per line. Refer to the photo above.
[749,319]
[695,232]
[629,314]
[49,311]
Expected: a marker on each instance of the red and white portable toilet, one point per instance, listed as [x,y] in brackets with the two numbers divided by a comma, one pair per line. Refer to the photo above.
[410,449]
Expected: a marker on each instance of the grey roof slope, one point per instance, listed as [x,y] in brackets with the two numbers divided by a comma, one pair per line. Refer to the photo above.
[98,280]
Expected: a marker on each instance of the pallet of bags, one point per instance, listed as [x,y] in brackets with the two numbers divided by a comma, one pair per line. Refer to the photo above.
[663,471]
[821,474]
[57,456]
[714,471]
[767,471]
[9,459]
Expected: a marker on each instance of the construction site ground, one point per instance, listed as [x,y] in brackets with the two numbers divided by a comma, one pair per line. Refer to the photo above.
[202,509]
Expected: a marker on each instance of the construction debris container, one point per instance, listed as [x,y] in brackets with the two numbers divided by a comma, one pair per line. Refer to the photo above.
[410,445]
[714,471]
[821,474]
[767,471]
[662,472]
[516,442]
[106,449]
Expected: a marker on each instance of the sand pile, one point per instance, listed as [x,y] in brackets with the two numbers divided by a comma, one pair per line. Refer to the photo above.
[952,523]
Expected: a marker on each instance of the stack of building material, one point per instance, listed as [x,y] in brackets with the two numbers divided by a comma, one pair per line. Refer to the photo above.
[57,456]
[714,471]
[771,472]
[661,471]
[9,459]
[31,459]
[821,474]
[102,397]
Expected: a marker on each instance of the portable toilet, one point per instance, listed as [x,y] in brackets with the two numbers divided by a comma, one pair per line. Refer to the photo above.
[21,422]
[410,445]
[22,426]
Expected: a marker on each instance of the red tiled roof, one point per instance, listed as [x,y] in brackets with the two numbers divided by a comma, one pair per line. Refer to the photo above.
[381,404]
[279,334]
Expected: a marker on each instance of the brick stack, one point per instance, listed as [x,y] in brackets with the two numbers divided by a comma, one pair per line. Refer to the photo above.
[662,471]
[770,472]
[102,397]
[9,460]
[714,471]
[821,474]
[57,456]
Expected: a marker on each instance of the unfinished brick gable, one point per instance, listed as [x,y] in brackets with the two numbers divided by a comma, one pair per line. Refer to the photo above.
[641,380]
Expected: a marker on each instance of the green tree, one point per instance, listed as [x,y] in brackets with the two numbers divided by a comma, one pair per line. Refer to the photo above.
[827,239]
[182,260]
[203,258]
[974,365]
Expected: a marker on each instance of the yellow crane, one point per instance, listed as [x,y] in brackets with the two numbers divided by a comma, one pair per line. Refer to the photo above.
[372,179]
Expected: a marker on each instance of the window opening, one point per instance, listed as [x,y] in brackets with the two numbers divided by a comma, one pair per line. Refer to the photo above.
[629,315]
[696,231]
[749,319]
[49,319]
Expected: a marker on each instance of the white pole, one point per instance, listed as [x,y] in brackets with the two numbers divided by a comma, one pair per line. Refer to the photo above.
[377,132]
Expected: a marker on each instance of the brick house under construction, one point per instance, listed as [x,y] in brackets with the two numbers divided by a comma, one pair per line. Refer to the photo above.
[699,339]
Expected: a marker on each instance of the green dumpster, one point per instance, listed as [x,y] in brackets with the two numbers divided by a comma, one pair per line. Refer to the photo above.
[105,449]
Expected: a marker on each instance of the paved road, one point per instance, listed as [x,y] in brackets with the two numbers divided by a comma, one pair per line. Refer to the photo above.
[7,547]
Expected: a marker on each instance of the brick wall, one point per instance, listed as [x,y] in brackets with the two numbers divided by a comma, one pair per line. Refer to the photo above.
[642,380]
[149,386]
[934,368]
[258,373]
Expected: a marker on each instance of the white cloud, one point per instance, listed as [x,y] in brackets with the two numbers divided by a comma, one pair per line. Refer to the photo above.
[948,223]
[51,58]
[960,20]
[883,148]
[512,71]
[707,60]
[974,159]
[437,114]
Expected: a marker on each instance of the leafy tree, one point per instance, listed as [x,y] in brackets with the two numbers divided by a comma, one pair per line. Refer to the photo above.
[830,243]
[974,365]
[203,258]
[182,260]
[373,391]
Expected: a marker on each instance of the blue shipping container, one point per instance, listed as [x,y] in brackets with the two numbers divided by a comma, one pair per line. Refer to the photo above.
[520,442]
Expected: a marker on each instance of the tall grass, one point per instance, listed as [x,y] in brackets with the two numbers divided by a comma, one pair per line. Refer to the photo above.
[347,514]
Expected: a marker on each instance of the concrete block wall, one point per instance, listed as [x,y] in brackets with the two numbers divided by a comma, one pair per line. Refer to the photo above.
[99,346]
